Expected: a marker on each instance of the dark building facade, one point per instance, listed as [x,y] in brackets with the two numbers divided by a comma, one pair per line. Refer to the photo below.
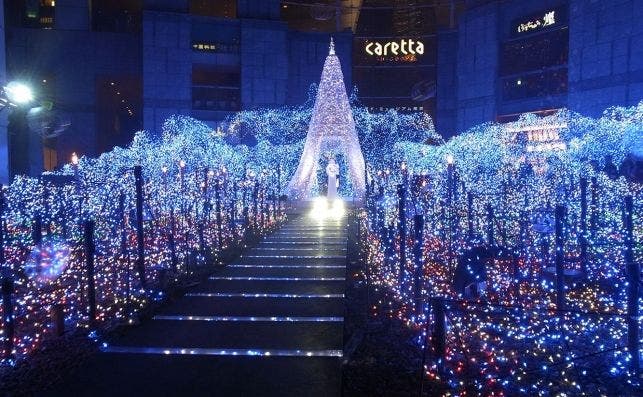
[107,68]
[509,57]
[103,69]
[395,53]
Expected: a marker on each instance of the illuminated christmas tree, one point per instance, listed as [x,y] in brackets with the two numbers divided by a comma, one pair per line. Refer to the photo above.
[331,130]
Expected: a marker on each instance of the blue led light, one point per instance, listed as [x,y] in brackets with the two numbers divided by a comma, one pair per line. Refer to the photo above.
[259,295]
[314,229]
[221,352]
[295,249]
[232,278]
[317,236]
[296,256]
[302,243]
[306,240]
[290,266]
[249,318]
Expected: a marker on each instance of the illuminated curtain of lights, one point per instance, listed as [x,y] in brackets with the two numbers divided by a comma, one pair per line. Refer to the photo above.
[331,130]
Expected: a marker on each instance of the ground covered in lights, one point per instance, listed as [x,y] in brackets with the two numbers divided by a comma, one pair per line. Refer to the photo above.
[388,359]
[385,360]
[57,359]
[53,362]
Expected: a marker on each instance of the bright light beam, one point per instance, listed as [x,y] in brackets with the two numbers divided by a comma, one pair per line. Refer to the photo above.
[18,93]
[323,209]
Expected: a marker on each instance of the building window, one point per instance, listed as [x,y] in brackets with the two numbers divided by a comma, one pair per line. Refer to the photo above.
[120,16]
[536,84]
[214,8]
[533,62]
[31,13]
[119,102]
[220,37]
[50,155]
[541,51]
[216,88]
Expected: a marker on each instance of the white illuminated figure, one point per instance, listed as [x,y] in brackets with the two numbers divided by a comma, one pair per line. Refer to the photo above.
[331,129]
[332,170]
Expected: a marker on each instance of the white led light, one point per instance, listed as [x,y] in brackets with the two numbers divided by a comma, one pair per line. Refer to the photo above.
[260,295]
[295,256]
[295,249]
[277,278]
[331,128]
[220,352]
[319,239]
[301,243]
[323,209]
[248,319]
[290,266]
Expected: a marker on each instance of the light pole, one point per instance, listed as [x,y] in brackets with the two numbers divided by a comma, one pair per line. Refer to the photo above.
[17,94]
[24,151]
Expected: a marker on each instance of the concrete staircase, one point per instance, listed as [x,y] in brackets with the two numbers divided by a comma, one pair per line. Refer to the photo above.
[270,324]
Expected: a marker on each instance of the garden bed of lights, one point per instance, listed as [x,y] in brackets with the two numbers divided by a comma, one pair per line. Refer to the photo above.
[517,333]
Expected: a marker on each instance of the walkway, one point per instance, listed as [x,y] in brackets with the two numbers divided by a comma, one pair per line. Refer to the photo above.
[270,324]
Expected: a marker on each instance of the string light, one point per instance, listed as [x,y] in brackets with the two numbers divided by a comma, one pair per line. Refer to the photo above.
[43,228]
[509,337]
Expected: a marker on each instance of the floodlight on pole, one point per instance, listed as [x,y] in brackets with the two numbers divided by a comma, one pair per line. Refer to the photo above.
[18,93]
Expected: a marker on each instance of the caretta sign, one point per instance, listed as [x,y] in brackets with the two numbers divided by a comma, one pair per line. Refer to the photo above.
[395,47]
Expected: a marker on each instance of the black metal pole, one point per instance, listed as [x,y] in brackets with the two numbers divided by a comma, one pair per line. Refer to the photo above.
[279,181]
[633,274]
[121,213]
[90,249]
[274,206]
[593,217]
[263,207]
[255,203]
[217,203]
[172,241]
[439,331]
[2,205]
[583,225]
[7,310]
[418,222]
[140,243]
[36,236]
[7,290]
[449,183]
[389,244]
[456,182]
[470,215]
[381,222]
[560,275]
[490,238]
[401,195]
[246,214]
[36,230]
[233,205]
[46,210]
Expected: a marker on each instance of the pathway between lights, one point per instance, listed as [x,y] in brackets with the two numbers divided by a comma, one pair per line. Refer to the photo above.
[269,324]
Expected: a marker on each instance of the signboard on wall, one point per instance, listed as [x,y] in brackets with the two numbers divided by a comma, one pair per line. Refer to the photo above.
[395,50]
[543,20]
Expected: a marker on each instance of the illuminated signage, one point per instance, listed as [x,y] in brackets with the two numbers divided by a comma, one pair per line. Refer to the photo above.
[542,20]
[543,138]
[394,48]
[547,20]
